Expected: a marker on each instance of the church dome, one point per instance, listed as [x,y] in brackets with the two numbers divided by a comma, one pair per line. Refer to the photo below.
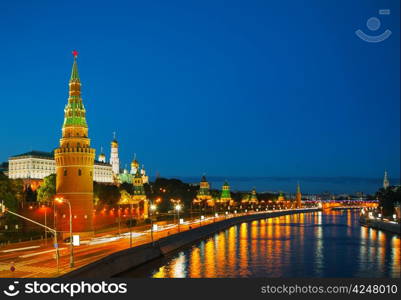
[102,157]
[134,164]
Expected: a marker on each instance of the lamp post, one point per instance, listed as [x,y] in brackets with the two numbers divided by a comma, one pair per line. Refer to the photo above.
[200,213]
[119,220]
[152,209]
[45,208]
[130,225]
[178,208]
[62,200]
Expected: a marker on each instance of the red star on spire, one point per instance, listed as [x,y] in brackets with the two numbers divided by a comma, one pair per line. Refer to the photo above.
[75,53]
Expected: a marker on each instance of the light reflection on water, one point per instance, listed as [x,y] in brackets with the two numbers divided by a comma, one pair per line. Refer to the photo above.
[328,244]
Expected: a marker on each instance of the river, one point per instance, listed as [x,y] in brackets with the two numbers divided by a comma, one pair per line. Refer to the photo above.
[319,244]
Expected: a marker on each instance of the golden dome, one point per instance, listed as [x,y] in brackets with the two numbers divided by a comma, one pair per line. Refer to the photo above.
[134,163]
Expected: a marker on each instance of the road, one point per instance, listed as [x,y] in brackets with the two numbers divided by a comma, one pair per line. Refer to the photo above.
[36,259]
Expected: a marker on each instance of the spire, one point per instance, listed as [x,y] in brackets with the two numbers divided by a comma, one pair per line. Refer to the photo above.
[74,73]
[74,112]
[386,182]
[298,188]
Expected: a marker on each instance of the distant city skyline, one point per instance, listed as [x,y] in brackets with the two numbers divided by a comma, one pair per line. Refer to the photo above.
[258,91]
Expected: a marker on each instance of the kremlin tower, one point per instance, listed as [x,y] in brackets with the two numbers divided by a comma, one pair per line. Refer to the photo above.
[225,196]
[386,182]
[114,160]
[204,191]
[74,162]
[298,196]
[139,193]
[253,197]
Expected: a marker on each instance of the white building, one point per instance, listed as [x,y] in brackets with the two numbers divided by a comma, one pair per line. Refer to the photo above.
[39,164]
[114,160]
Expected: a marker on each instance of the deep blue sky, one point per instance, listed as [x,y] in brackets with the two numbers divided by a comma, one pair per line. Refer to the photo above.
[228,88]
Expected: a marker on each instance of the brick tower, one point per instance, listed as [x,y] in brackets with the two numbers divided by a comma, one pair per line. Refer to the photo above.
[298,196]
[74,163]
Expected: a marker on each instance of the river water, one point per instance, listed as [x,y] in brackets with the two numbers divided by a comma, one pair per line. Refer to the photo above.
[318,244]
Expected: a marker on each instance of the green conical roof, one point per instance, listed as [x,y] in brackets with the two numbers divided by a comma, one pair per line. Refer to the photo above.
[74,111]
[74,73]
[298,188]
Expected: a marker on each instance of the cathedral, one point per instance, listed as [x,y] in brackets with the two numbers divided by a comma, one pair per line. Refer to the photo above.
[121,176]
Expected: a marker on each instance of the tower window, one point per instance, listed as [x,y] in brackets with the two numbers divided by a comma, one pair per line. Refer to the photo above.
[65,172]
[79,172]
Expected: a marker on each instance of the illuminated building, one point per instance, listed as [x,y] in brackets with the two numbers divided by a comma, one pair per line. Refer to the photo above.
[253,198]
[36,165]
[386,182]
[250,198]
[139,193]
[225,196]
[114,160]
[74,162]
[129,177]
[33,164]
[280,197]
[204,192]
[298,196]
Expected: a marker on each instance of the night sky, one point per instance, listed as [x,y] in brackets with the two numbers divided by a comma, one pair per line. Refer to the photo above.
[226,88]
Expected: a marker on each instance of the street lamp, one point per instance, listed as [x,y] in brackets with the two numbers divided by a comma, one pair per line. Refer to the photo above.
[153,207]
[45,209]
[62,200]
[178,208]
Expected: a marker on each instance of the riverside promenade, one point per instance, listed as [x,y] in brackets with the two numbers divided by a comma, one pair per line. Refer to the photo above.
[382,224]
[125,260]
[110,253]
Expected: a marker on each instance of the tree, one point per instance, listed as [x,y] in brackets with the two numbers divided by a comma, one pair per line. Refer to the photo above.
[10,190]
[47,189]
[388,198]
[105,194]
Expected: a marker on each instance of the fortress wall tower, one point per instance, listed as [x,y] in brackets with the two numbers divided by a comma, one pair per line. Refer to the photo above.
[74,163]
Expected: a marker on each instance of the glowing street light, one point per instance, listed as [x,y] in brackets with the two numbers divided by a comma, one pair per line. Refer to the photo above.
[178,208]
[62,200]
[153,208]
